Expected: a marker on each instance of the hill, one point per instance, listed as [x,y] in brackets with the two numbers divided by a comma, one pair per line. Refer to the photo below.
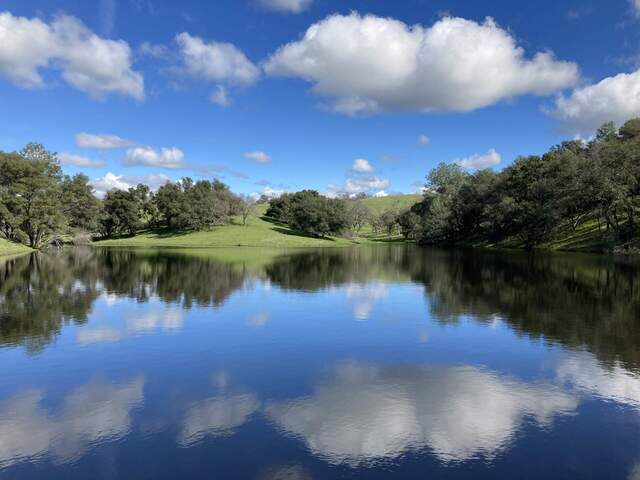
[392,202]
[256,233]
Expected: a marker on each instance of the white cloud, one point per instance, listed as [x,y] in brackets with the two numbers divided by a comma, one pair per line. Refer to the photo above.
[458,413]
[381,194]
[79,161]
[268,192]
[258,157]
[153,50]
[215,61]
[424,140]
[91,64]
[291,6]
[91,414]
[369,64]
[101,141]
[636,6]
[112,181]
[360,165]
[480,161]
[171,158]
[614,99]
[354,186]
[220,96]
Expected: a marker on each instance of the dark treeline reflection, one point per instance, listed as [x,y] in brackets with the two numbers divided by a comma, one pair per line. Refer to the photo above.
[578,301]
[42,291]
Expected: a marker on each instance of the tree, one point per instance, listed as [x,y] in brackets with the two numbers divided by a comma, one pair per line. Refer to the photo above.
[79,203]
[247,208]
[121,213]
[31,196]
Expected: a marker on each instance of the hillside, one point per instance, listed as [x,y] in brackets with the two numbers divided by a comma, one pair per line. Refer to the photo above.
[392,202]
[257,233]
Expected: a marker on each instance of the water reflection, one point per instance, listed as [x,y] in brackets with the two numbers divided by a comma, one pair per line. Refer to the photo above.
[367,413]
[219,415]
[448,377]
[92,413]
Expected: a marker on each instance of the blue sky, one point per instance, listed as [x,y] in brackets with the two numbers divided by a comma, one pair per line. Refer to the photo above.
[289,94]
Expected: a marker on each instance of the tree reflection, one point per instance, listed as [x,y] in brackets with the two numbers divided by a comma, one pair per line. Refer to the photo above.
[40,292]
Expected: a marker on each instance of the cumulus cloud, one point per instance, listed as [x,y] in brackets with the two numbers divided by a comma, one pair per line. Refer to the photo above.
[90,414]
[112,181]
[614,99]
[91,64]
[171,158]
[79,161]
[360,165]
[424,140]
[354,186]
[101,141]
[480,161]
[215,61]
[291,6]
[458,412]
[258,156]
[370,64]
[269,192]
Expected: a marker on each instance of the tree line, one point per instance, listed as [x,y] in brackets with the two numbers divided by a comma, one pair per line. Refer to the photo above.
[39,205]
[538,197]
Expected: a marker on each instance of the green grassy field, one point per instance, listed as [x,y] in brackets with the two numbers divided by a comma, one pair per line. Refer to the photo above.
[10,248]
[257,232]
[392,202]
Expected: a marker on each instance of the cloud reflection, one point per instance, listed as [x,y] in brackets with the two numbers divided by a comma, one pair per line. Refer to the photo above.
[364,297]
[584,372]
[220,415]
[367,413]
[93,413]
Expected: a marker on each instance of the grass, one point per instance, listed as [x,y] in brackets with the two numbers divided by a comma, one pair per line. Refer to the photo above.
[392,202]
[256,233]
[10,248]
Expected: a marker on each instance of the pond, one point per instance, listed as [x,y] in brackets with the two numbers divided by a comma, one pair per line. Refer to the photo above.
[370,362]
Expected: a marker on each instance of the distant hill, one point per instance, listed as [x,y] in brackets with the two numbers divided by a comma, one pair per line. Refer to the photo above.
[392,202]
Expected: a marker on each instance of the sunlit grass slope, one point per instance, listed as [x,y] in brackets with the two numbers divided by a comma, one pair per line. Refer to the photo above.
[256,233]
[392,202]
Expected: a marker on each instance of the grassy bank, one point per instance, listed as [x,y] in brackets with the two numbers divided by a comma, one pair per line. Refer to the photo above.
[10,248]
[257,233]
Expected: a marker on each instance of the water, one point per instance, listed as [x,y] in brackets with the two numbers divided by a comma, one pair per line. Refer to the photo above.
[388,362]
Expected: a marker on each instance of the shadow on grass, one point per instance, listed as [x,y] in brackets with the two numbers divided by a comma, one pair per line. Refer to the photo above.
[287,231]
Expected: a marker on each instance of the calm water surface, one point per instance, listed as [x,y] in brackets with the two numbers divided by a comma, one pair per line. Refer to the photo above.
[389,362]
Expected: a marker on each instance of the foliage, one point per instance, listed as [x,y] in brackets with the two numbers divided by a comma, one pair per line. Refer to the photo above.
[30,195]
[537,197]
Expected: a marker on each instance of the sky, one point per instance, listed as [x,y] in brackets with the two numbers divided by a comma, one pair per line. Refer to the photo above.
[342,96]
